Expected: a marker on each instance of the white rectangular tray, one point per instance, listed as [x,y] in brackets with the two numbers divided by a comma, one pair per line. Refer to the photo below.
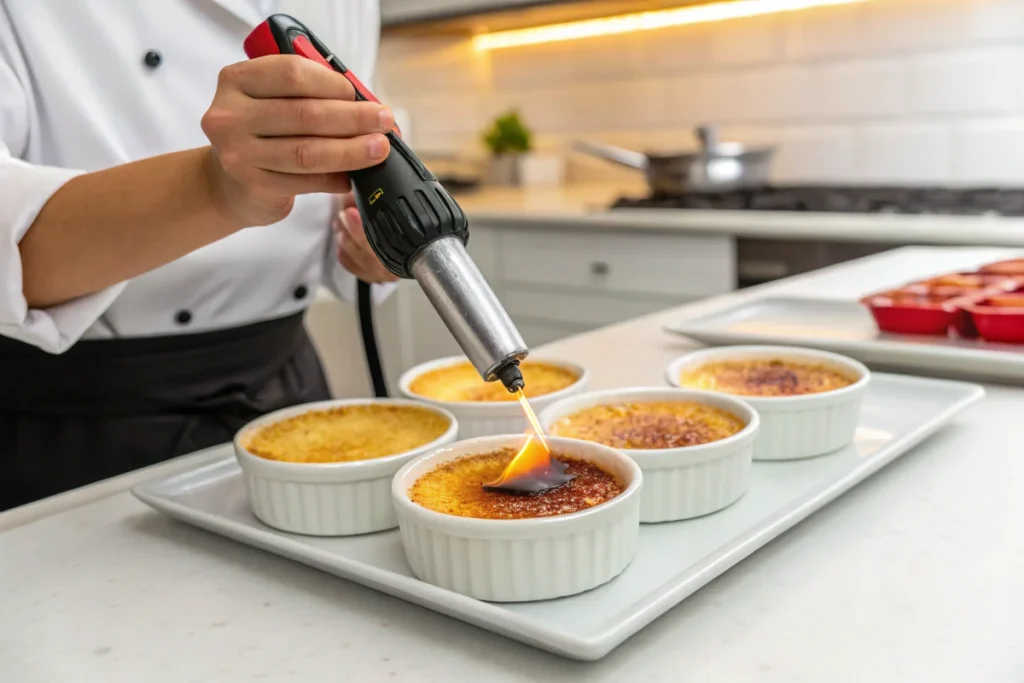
[673,560]
[846,327]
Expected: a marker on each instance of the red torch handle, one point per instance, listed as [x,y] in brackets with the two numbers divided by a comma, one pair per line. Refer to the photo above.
[281,34]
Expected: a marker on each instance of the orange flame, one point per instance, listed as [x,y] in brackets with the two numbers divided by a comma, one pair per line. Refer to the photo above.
[534,456]
[531,417]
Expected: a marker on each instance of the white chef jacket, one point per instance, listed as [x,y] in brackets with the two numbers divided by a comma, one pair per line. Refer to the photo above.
[77,95]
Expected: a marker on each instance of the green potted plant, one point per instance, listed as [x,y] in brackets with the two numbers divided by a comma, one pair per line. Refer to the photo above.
[507,139]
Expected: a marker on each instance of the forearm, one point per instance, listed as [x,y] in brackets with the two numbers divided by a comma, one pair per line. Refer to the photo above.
[106,227]
[282,126]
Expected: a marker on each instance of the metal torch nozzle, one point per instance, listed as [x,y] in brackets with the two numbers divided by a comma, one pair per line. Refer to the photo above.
[470,310]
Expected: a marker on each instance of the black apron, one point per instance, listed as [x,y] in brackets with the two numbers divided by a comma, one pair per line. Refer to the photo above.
[107,407]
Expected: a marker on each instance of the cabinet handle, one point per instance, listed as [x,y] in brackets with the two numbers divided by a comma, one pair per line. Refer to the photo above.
[599,268]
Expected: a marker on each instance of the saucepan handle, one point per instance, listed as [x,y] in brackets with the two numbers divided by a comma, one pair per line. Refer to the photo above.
[618,155]
[708,137]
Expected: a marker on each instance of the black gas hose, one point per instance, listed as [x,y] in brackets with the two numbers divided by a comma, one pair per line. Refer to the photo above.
[365,303]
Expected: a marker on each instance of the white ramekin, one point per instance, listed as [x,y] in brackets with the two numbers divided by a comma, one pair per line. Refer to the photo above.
[793,427]
[687,482]
[327,499]
[486,418]
[520,560]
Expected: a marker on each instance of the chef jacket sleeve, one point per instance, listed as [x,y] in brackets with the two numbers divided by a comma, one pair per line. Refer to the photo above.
[24,190]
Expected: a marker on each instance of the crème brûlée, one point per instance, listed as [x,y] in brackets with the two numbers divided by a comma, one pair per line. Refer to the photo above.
[462,383]
[456,488]
[347,434]
[766,377]
[649,425]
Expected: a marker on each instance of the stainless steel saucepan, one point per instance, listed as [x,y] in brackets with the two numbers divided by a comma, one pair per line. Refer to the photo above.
[718,166]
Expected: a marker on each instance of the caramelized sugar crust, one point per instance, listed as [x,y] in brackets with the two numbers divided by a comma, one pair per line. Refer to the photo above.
[347,433]
[655,424]
[462,382]
[766,377]
[456,488]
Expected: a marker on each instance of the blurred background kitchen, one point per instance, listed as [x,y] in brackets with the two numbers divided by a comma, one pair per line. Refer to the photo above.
[779,143]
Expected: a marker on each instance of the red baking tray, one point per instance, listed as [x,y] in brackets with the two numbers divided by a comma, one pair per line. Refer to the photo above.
[914,310]
[999,317]
[937,305]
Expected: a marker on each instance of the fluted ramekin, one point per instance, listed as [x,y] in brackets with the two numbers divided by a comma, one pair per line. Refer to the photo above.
[686,482]
[519,560]
[793,427]
[327,499]
[487,418]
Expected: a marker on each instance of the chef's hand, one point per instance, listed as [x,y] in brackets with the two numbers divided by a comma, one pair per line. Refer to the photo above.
[354,251]
[282,126]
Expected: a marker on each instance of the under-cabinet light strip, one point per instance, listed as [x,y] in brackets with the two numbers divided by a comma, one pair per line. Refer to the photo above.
[645,21]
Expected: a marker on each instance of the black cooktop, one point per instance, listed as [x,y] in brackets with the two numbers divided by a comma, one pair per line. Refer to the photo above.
[920,200]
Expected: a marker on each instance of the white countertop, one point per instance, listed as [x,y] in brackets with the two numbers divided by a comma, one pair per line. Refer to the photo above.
[586,207]
[913,576]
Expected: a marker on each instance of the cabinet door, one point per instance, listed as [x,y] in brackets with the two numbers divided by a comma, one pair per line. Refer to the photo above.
[627,262]
[581,310]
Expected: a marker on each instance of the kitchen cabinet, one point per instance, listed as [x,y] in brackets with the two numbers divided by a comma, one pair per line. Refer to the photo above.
[404,11]
[473,16]
[554,283]
[579,311]
[627,262]
[557,282]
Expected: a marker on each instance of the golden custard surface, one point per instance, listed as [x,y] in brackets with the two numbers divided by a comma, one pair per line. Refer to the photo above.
[766,377]
[461,382]
[655,424]
[456,488]
[347,433]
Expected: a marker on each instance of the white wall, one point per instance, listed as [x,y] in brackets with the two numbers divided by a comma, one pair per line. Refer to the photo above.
[910,91]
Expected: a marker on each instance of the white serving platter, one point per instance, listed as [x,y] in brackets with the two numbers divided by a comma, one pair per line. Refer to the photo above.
[673,561]
[845,326]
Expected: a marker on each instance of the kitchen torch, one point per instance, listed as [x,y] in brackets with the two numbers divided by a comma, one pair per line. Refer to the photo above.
[414,226]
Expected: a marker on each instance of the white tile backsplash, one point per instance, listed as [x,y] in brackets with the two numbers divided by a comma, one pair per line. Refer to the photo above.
[696,98]
[599,105]
[989,151]
[912,91]
[673,50]
[572,62]
[983,79]
[429,65]
[815,154]
[911,153]
[826,32]
[901,26]
[996,20]
[756,41]
[862,88]
[775,94]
